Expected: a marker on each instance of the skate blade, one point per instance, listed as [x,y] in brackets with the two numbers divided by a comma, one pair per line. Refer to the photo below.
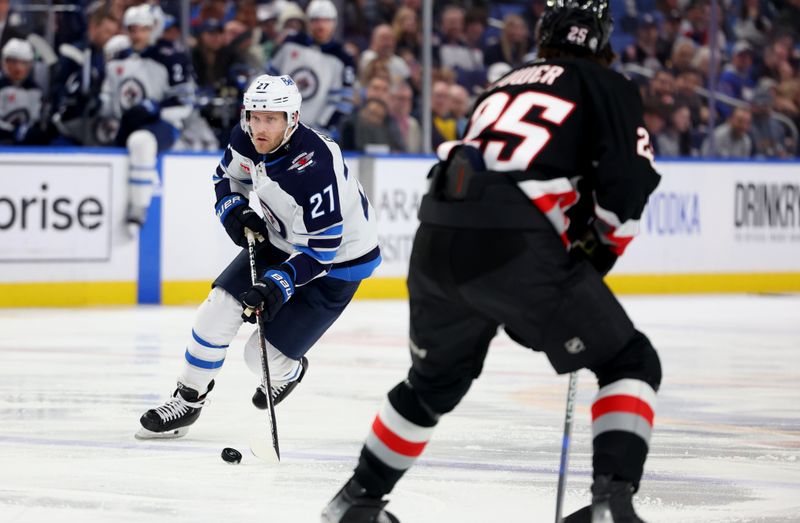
[262,448]
[143,433]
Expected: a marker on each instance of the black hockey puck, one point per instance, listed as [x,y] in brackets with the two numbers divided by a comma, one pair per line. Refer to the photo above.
[232,456]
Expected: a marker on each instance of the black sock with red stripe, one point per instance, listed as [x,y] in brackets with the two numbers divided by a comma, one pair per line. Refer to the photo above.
[398,436]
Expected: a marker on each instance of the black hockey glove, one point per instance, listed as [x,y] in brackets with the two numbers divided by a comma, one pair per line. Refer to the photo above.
[236,215]
[591,249]
[268,295]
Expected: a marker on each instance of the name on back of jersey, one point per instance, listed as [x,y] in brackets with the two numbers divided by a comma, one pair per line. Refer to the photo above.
[535,74]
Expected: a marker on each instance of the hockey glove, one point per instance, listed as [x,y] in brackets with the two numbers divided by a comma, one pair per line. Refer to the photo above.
[236,215]
[591,249]
[268,295]
[141,114]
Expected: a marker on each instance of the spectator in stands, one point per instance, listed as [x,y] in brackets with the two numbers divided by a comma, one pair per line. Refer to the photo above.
[267,32]
[735,80]
[662,87]
[697,22]
[384,45]
[211,72]
[677,139]
[686,85]
[407,32]
[513,45]
[788,19]
[371,131]
[445,127]
[770,139]
[655,121]
[475,28]
[8,29]
[752,24]
[645,50]
[401,103]
[773,60]
[680,59]
[459,107]
[75,103]
[20,97]
[378,88]
[291,20]
[670,32]
[731,139]
[454,53]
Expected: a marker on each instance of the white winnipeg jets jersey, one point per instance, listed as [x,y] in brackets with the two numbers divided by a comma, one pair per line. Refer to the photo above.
[315,209]
[323,74]
[161,73]
[19,104]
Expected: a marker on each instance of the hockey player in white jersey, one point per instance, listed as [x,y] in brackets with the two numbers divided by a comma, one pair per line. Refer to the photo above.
[20,97]
[323,70]
[149,89]
[320,241]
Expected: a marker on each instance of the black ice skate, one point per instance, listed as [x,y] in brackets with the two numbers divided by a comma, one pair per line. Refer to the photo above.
[611,503]
[352,505]
[173,418]
[279,389]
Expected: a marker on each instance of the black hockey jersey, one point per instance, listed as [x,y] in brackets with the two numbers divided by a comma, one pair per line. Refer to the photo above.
[570,134]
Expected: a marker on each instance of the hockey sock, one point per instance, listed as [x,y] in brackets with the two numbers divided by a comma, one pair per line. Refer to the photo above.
[282,368]
[622,421]
[217,322]
[142,176]
[398,436]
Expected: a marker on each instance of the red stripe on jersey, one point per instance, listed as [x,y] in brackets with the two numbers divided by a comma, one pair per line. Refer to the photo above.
[395,442]
[564,200]
[619,243]
[622,403]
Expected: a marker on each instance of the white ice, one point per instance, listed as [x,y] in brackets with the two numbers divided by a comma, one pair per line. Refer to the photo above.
[73,383]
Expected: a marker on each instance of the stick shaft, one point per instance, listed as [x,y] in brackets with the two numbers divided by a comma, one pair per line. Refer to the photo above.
[265,379]
[563,465]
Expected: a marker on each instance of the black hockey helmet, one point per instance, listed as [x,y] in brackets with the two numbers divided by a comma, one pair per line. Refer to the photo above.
[578,25]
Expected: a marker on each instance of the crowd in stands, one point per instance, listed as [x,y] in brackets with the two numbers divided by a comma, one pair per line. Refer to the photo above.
[358,64]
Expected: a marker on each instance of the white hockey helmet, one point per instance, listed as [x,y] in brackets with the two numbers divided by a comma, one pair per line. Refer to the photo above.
[139,15]
[18,49]
[272,93]
[321,9]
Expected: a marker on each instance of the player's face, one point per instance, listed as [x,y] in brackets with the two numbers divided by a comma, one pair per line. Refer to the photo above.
[268,128]
[16,70]
[322,29]
[140,36]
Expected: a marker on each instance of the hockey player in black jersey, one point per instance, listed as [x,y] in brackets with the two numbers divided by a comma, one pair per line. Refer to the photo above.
[524,217]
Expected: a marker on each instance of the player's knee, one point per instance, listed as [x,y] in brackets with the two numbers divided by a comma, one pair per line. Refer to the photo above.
[142,146]
[637,360]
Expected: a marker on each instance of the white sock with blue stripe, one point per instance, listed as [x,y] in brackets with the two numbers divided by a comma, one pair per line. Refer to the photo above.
[142,174]
[217,322]
[282,368]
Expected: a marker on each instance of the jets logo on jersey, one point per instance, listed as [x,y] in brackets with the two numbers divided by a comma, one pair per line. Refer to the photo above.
[270,217]
[131,93]
[302,161]
[18,117]
[307,82]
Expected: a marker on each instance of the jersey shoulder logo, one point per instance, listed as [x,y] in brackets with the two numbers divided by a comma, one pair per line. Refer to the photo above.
[302,161]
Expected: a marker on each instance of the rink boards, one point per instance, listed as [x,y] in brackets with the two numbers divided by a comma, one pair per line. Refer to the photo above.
[709,227]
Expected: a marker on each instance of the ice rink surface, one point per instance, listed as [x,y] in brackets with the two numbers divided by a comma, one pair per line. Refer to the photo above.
[73,383]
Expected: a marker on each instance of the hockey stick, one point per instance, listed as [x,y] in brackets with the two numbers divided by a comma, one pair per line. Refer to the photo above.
[255,446]
[562,468]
